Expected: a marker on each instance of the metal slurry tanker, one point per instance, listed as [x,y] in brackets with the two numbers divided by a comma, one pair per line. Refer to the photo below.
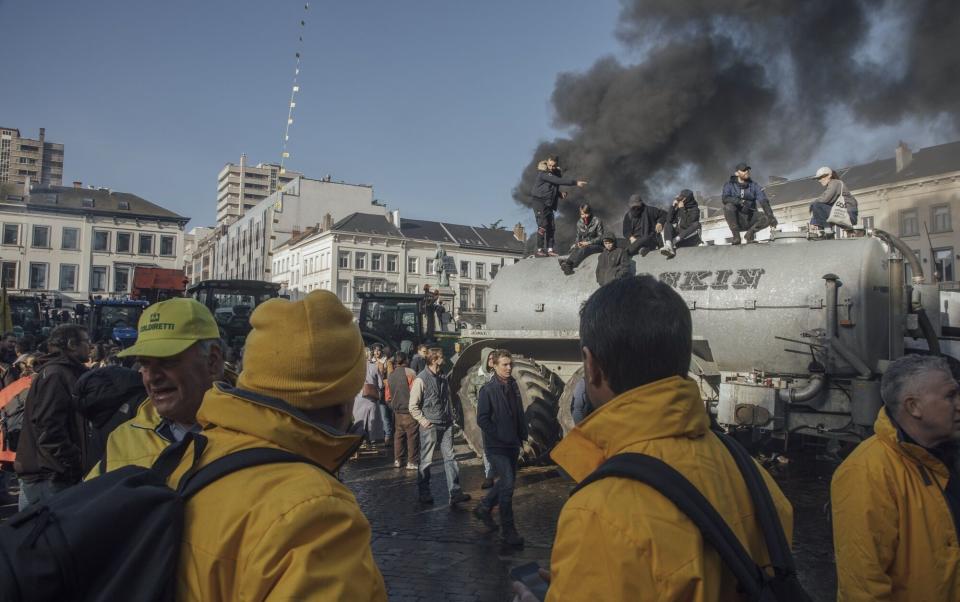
[789,335]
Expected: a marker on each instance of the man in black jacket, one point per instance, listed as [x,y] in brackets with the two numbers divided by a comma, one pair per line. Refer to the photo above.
[682,228]
[741,196]
[503,424]
[546,196]
[613,262]
[51,447]
[642,225]
[589,239]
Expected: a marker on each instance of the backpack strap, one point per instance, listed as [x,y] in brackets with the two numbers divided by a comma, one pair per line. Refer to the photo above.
[676,488]
[776,540]
[196,479]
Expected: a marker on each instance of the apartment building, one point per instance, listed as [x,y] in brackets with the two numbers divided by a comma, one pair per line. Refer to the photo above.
[244,248]
[240,187]
[912,195]
[375,252]
[74,242]
[23,160]
[193,253]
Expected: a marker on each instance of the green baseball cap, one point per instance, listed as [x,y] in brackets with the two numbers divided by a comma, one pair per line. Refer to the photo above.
[170,327]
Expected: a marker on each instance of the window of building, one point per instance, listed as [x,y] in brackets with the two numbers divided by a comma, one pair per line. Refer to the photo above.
[98,279]
[909,223]
[413,266]
[38,275]
[494,268]
[464,298]
[481,271]
[392,261]
[101,240]
[343,261]
[124,205]
[86,203]
[376,262]
[145,244]
[343,290]
[413,288]
[70,239]
[867,222]
[166,246]
[11,234]
[480,295]
[68,277]
[464,269]
[8,274]
[121,279]
[940,218]
[943,264]
[360,261]
[431,267]
[41,237]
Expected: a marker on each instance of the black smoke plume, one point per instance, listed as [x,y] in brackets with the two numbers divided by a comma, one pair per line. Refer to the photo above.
[724,81]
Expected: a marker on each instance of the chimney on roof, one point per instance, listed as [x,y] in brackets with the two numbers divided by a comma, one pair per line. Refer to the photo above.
[327,223]
[904,156]
[394,218]
[43,133]
[519,233]
[26,186]
[77,184]
[295,232]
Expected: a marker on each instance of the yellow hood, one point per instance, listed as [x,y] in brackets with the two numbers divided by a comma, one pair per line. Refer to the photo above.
[662,409]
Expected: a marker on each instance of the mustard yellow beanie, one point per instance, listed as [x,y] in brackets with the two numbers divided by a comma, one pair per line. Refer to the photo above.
[308,353]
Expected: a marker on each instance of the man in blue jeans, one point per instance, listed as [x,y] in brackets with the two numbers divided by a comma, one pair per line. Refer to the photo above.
[431,407]
[504,427]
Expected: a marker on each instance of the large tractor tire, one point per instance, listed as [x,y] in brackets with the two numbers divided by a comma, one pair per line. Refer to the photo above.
[540,389]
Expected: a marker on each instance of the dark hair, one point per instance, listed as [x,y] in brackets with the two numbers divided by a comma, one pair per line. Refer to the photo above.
[639,330]
[587,208]
[434,354]
[502,353]
[422,346]
[61,337]
[553,158]
[400,358]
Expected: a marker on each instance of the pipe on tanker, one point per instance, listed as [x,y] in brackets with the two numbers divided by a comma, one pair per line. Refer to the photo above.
[898,307]
[807,392]
[846,353]
[906,251]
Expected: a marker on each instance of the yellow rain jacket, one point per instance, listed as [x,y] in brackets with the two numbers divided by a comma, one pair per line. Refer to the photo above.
[136,441]
[620,539]
[893,533]
[273,532]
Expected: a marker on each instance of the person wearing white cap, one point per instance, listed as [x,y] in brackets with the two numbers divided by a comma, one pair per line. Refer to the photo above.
[820,209]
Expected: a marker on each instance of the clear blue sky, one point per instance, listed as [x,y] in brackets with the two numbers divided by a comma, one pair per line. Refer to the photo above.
[437,104]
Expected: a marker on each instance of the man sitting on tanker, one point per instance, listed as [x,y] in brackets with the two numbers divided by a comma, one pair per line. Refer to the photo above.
[642,226]
[682,228]
[740,198]
[833,190]
[546,196]
[613,262]
[589,239]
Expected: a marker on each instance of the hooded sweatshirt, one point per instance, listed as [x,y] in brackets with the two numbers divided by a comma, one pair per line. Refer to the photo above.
[689,215]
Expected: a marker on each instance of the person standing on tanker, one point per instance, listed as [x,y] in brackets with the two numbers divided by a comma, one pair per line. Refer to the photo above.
[546,197]
[741,195]
[896,498]
[589,239]
[642,225]
[833,188]
[682,228]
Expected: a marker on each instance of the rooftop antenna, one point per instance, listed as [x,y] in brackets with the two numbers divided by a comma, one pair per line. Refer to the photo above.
[284,154]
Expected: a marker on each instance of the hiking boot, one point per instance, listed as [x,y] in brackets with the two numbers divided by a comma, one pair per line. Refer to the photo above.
[396,463]
[487,483]
[566,268]
[411,466]
[644,251]
[426,498]
[485,515]
[458,498]
[750,236]
[736,239]
[512,538]
[667,250]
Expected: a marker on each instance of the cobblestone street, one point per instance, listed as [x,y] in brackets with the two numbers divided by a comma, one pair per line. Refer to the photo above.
[435,553]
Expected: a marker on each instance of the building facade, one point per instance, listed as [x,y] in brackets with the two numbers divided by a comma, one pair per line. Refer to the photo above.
[240,187]
[28,161]
[75,242]
[244,248]
[910,195]
[385,253]
[192,254]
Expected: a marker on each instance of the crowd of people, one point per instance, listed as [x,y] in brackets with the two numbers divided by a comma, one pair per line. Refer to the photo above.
[292,530]
[647,228]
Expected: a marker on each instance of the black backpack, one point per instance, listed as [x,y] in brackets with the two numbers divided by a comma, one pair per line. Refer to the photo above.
[116,537]
[755,583]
